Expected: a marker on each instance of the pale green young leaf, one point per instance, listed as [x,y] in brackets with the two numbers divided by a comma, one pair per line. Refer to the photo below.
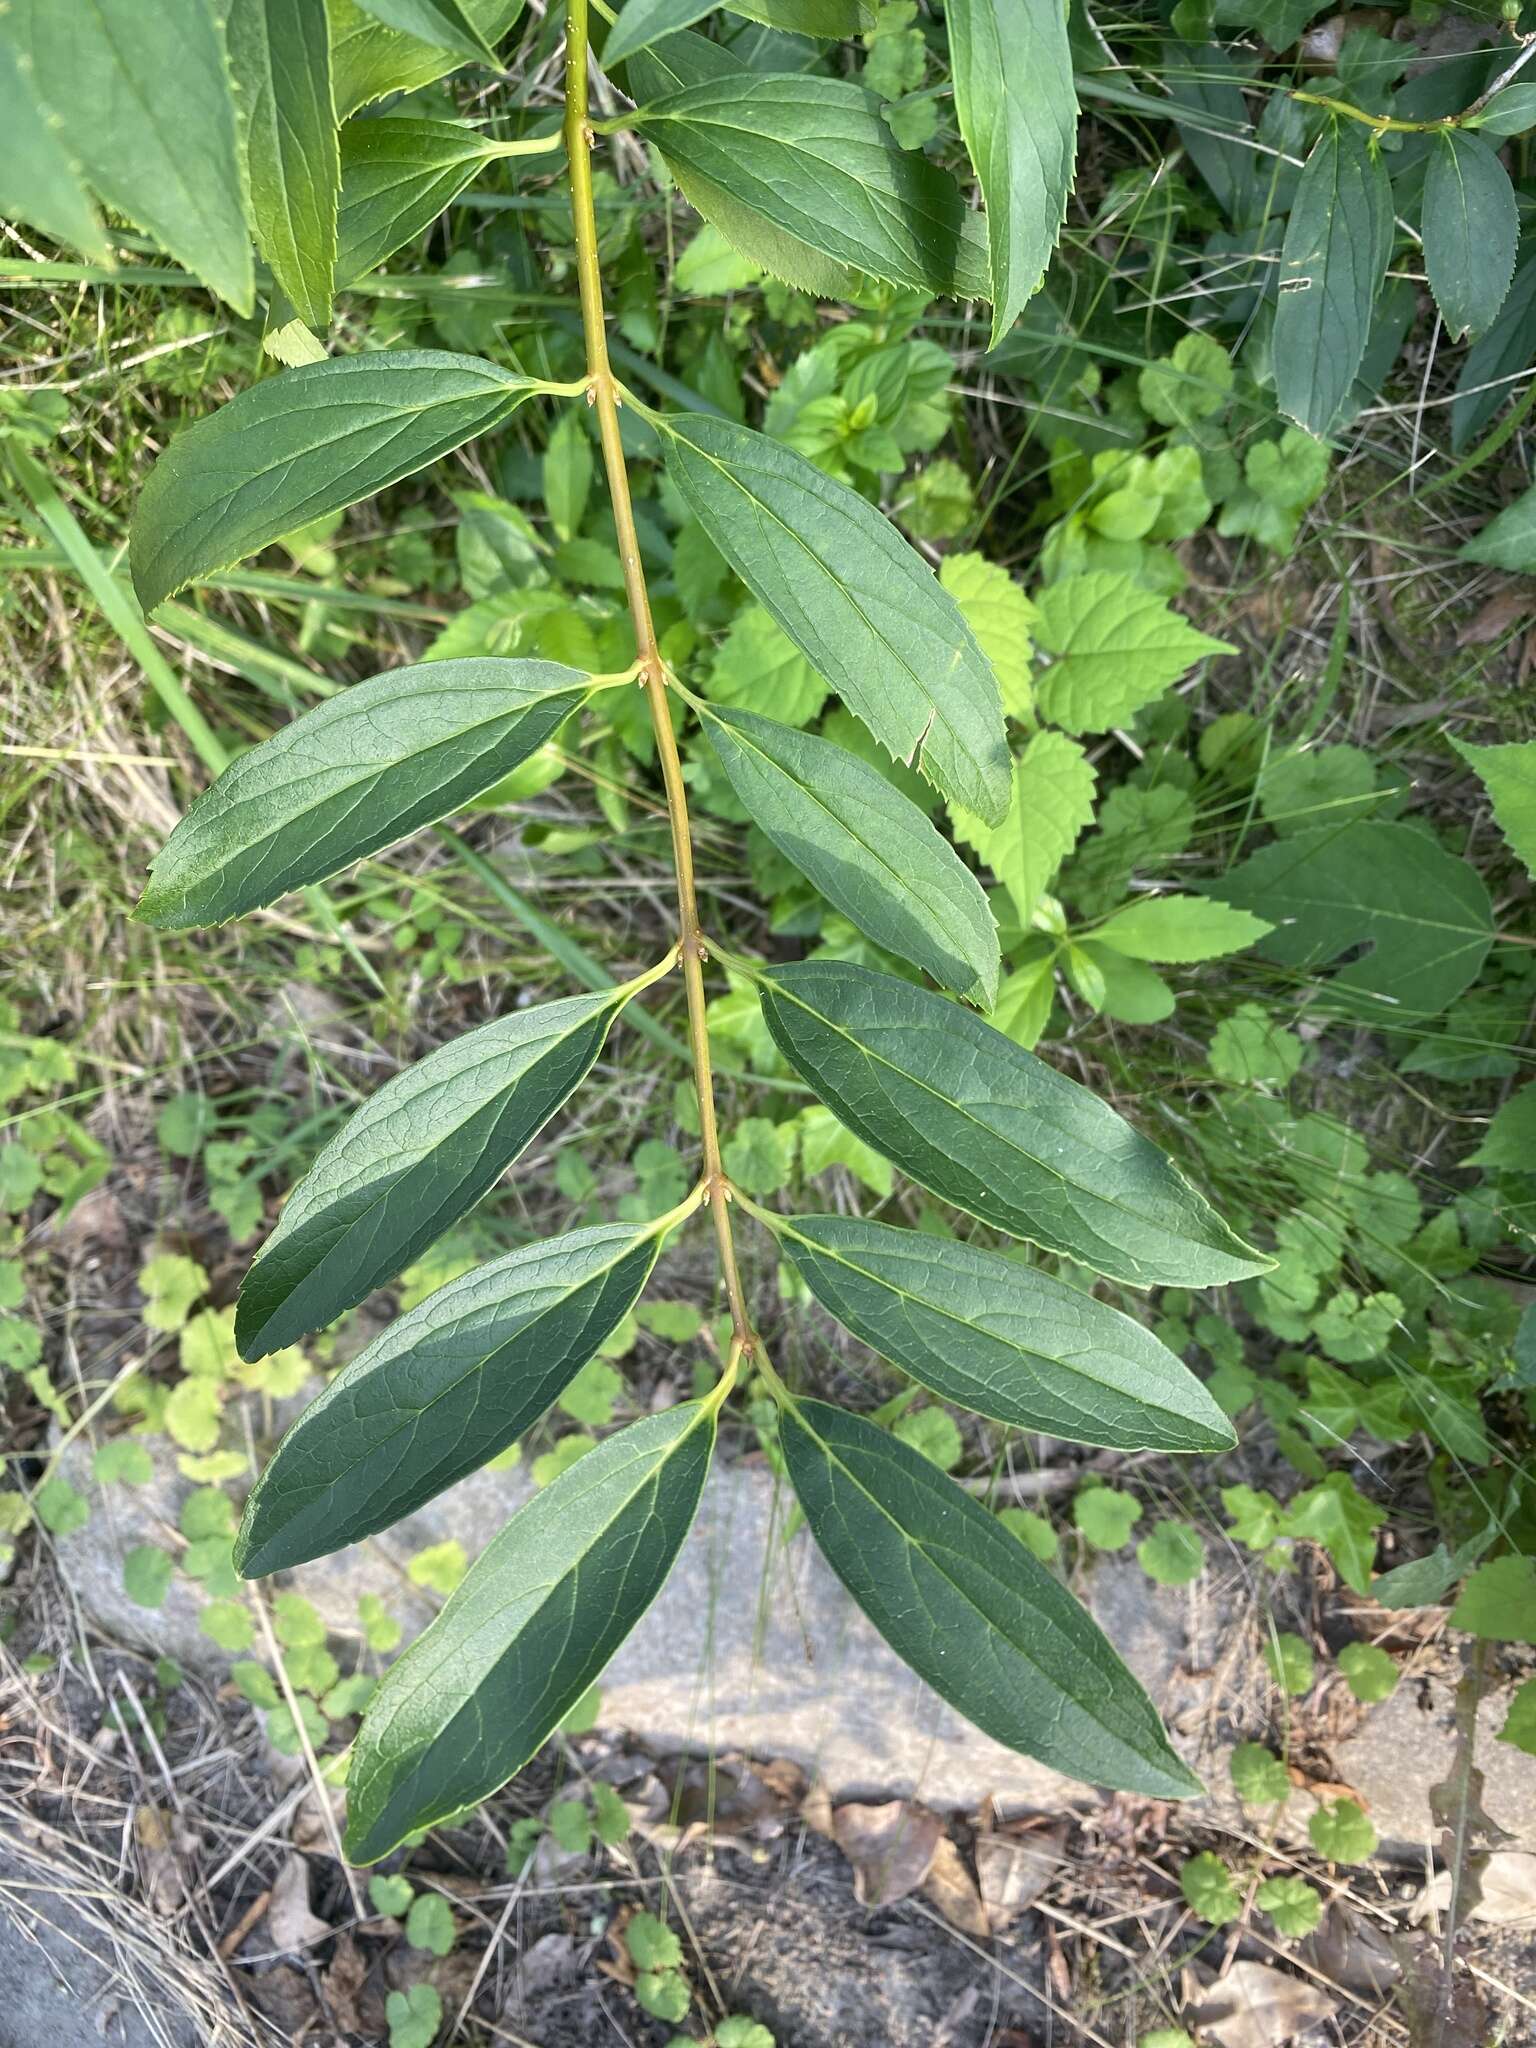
[1179,929]
[1208,1888]
[1471,228]
[1104,1516]
[1291,1903]
[412,1160]
[359,771]
[1339,1517]
[1508,773]
[757,663]
[40,174]
[439,1392]
[1003,620]
[1337,243]
[1002,1338]
[534,1622]
[970,1608]
[1509,1144]
[143,97]
[397,175]
[1053,790]
[1259,1778]
[1116,646]
[804,175]
[1173,1554]
[1519,1728]
[444,24]
[280,54]
[865,610]
[1343,1832]
[1426,915]
[567,469]
[868,849]
[1498,1602]
[1012,67]
[1369,1672]
[983,1124]
[302,444]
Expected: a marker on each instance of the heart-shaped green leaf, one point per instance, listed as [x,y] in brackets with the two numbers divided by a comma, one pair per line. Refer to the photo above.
[869,849]
[540,1613]
[417,1154]
[365,768]
[441,1390]
[985,1125]
[1003,1339]
[961,1600]
[302,444]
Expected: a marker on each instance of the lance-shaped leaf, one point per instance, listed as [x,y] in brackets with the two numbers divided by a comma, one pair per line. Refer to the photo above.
[441,1390]
[869,849]
[985,1125]
[863,608]
[40,177]
[531,1627]
[642,21]
[280,53]
[365,768]
[417,1154]
[297,446]
[445,24]
[1003,1339]
[964,1603]
[1334,257]
[370,61]
[396,178]
[142,97]
[1014,96]
[1471,228]
[804,175]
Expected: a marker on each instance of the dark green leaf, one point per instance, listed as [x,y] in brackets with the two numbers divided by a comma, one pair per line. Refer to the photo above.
[280,53]
[985,1125]
[643,21]
[1014,96]
[444,1388]
[964,1603]
[444,24]
[537,1618]
[673,62]
[1422,915]
[142,95]
[1334,257]
[864,609]
[40,180]
[1002,1339]
[370,61]
[417,1154]
[869,850]
[804,175]
[303,444]
[365,768]
[396,178]
[1471,226]
[1492,368]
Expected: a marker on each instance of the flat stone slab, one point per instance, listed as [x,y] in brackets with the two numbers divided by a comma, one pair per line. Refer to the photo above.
[754,1646]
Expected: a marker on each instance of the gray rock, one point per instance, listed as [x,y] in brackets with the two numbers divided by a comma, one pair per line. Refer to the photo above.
[1405,1746]
[753,1644]
[59,1985]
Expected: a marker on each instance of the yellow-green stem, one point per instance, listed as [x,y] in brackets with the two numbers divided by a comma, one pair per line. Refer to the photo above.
[602,392]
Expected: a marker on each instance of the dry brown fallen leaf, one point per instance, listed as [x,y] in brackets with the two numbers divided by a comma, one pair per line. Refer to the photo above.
[1015,1869]
[164,1885]
[950,1886]
[890,1846]
[1504,609]
[1254,2006]
[1509,1891]
[290,1923]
